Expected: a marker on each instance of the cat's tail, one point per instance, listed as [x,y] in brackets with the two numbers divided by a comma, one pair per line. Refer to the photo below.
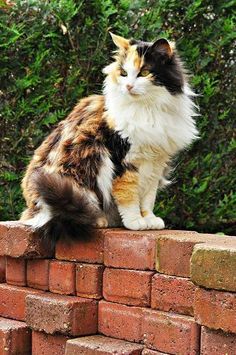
[64,209]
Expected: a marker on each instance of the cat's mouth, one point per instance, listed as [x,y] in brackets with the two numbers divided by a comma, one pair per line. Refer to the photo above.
[133,94]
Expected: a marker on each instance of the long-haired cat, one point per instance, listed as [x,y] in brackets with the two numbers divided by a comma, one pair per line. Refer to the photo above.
[102,165]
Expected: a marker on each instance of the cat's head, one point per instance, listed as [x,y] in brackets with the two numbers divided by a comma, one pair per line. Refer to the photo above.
[141,67]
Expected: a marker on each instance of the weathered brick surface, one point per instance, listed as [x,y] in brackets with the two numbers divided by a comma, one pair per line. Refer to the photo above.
[171,333]
[18,240]
[174,250]
[38,273]
[90,251]
[89,280]
[213,266]
[152,352]
[16,271]
[15,337]
[2,269]
[100,345]
[216,342]
[130,250]
[62,277]
[172,294]
[46,344]
[131,287]
[12,301]
[63,314]
[120,321]
[215,309]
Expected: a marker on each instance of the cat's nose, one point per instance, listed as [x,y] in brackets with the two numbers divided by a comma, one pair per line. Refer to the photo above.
[129,87]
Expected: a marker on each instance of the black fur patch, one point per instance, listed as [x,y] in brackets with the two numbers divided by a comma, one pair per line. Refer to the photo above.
[83,161]
[166,69]
[118,149]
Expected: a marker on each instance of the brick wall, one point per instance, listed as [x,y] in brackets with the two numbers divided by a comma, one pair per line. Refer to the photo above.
[123,292]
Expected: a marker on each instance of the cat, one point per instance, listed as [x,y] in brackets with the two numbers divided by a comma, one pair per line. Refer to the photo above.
[102,165]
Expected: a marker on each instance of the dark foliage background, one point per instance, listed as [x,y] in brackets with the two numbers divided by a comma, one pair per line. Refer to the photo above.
[52,53]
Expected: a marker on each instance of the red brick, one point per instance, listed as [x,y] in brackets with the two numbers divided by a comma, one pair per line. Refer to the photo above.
[45,344]
[89,280]
[215,309]
[130,287]
[170,293]
[152,352]
[217,342]
[2,269]
[214,265]
[61,314]
[15,337]
[38,273]
[12,301]
[19,240]
[174,250]
[120,321]
[90,251]
[171,333]
[16,271]
[62,277]
[100,345]
[130,250]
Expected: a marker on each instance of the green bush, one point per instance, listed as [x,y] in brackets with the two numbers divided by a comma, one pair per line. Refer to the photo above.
[52,53]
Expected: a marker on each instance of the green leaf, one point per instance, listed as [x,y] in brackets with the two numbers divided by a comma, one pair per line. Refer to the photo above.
[9,176]
[202,188]
[49,120]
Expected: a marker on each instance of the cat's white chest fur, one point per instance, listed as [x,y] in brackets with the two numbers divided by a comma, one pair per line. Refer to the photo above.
[163,121]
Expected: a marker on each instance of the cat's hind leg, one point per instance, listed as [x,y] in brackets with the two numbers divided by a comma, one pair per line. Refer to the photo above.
[101,222]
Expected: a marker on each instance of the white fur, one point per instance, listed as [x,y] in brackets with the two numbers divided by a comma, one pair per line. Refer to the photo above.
[133,220]
[104,179]
[156,118]
[42,217]
[150,174]
[131,217]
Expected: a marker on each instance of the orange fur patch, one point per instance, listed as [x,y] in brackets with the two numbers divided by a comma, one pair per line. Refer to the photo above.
[125,188]
[133,56]
[119,41]
[144,213]
[121,56]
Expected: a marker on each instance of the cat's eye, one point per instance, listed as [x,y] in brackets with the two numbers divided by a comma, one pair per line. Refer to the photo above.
[123,72]
[144,72]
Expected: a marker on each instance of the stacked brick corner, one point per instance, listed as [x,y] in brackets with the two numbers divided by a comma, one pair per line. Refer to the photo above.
[123,292]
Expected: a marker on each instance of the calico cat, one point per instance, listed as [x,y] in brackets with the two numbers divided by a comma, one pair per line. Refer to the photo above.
[102,165]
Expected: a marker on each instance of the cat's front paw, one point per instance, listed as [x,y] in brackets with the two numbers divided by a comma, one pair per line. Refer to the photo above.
[154,222]
[136,225]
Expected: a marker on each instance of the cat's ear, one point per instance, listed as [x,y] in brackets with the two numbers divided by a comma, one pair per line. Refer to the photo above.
[119,41]
[163,47]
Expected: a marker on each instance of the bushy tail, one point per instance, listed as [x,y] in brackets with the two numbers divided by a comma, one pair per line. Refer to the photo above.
[71,210]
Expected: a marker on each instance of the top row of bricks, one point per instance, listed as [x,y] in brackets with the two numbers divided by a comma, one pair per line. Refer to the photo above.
[167,251]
